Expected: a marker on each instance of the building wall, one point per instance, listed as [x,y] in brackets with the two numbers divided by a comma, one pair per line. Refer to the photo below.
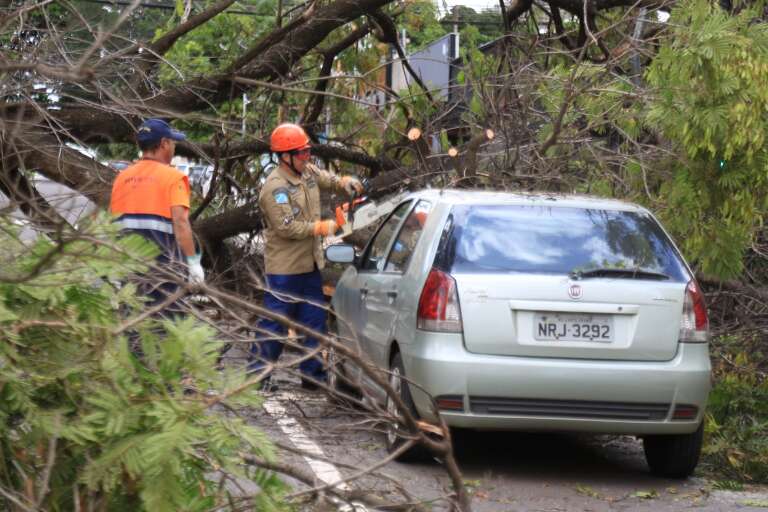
[432,64]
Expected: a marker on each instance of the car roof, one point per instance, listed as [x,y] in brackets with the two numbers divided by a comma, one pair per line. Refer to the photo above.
[456,196]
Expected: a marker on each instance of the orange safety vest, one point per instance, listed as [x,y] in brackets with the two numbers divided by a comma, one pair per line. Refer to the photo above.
[151,188]
[142,197]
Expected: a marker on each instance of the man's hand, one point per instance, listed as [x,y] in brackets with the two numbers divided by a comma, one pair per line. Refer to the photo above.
[196,272]
[325,227]
[352,185]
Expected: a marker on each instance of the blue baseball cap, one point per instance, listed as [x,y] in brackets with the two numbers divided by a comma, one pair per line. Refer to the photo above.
[152,130]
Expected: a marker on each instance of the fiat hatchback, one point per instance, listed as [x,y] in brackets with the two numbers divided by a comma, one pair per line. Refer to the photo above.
[534,313]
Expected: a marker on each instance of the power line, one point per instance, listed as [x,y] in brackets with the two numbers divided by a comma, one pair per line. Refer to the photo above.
[167,7]
[480,23]
[477,5]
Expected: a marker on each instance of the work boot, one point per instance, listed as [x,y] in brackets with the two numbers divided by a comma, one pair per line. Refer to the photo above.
[267,385]
[310,384]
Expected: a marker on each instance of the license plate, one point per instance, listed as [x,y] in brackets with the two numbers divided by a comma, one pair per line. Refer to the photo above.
[573,327]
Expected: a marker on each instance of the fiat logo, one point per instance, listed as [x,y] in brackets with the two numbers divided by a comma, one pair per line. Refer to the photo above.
[575,291]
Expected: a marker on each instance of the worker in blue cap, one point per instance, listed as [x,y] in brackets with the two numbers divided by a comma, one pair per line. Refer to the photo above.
[151,198]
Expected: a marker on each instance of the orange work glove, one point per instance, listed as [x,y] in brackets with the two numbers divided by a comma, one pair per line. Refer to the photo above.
[341,216]
[325,227]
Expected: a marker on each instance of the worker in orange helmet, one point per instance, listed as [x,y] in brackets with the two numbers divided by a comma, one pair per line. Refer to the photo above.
[290,203]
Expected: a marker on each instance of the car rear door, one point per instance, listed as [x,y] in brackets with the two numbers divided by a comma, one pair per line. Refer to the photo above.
[525,288]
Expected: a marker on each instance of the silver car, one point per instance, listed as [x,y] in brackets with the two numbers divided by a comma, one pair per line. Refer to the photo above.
[533,312]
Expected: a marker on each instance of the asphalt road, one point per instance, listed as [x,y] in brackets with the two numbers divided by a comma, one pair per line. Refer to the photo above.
[506,471]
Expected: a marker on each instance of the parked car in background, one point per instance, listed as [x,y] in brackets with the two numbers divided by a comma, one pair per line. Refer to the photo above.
[200,177]
[119,165]
[534,313]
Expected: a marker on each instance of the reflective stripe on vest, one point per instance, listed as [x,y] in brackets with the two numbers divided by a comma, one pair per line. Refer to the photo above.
[156,224]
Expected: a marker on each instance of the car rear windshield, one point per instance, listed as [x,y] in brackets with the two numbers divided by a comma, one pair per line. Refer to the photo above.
[556,240]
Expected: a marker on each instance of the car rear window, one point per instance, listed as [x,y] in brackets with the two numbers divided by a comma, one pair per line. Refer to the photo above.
[555,240]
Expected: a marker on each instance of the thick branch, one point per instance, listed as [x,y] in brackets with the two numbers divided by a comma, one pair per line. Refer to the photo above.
[270,40]
[326,151]
[21,193]
[247,218]
[504,16]
[271,58]
[376,165]
[315,105]
[242,219]
[275,60]
[389,33]
[473,146]
[166,42]
[46,154]
[560,28]
[516,9]
[63,73]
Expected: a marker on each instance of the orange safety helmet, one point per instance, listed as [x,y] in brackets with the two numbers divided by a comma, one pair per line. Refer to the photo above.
[288,137]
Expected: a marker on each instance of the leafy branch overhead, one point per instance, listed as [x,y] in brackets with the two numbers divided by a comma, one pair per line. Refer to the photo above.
[581,96]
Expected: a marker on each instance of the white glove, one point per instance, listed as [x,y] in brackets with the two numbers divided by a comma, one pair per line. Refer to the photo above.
[196,272]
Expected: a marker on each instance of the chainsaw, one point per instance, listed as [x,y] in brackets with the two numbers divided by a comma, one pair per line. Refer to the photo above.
[361,211]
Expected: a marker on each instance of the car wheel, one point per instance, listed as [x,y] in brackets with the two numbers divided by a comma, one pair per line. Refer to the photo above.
[673,456]
[393,439]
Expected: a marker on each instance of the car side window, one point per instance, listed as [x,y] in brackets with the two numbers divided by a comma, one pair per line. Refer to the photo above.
[376,254]
[403,248]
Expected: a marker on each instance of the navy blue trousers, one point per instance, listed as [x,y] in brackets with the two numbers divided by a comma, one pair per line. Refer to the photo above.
[300,288]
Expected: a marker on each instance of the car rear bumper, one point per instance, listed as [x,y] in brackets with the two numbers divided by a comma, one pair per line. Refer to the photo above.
[530,393]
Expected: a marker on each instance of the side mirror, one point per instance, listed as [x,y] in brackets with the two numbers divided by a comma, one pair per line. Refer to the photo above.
[340,253]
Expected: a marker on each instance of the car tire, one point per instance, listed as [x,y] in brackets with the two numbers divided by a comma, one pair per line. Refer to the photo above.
[417,452]
[673,456]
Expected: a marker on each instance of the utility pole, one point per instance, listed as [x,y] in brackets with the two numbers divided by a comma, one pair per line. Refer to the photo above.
[636,35]
[245,104]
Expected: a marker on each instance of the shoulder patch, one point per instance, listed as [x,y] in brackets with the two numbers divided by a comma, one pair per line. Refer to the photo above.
[280,195]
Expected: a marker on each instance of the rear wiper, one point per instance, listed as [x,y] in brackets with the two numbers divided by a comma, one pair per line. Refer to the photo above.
[631,273]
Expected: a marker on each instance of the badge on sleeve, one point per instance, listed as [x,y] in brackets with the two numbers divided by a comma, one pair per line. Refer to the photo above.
[280,195]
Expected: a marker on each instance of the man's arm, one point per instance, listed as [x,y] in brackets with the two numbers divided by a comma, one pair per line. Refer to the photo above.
[327,180]
[274,202]
[183,229]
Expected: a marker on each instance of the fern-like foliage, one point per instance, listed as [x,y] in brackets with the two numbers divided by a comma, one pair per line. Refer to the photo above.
[84,420]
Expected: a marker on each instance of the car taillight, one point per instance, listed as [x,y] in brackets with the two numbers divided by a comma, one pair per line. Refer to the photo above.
[694,325]
[439,304]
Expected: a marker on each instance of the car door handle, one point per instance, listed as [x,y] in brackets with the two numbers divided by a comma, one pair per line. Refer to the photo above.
[363,293]
[392,295]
